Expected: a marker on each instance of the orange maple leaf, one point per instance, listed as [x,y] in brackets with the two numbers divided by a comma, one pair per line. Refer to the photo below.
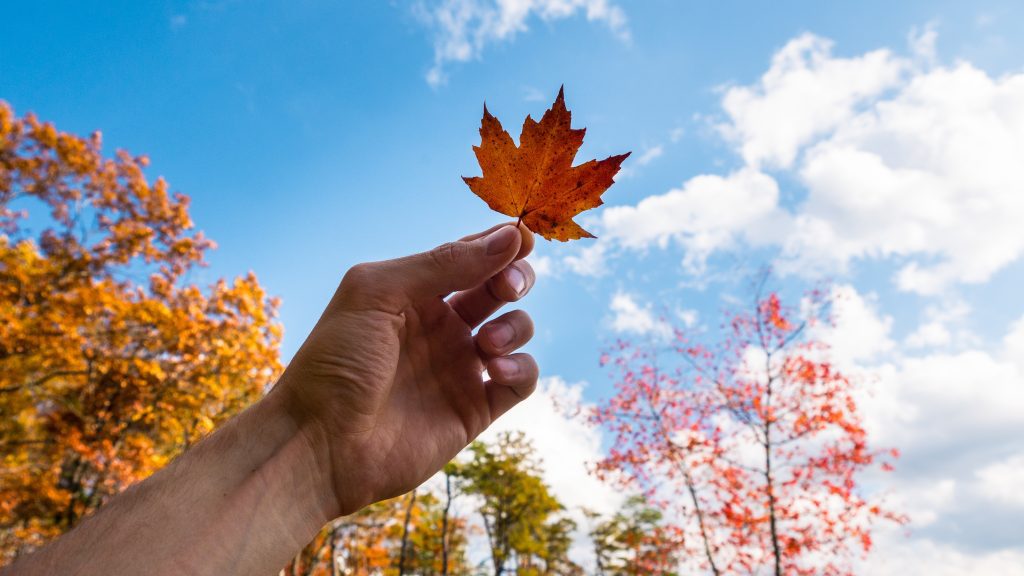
[536,181]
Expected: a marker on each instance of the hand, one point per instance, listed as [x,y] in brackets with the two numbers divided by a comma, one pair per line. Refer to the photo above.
[389,385]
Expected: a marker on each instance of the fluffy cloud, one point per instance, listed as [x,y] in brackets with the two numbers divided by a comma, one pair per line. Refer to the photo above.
[933,172]
[542,265]
[631,317]
[943,327]
[860,333]
[893,159]
[1013,343]
[806,93]
[707,213]
[463,28]
[894,556]
[1002,481]
[958,419]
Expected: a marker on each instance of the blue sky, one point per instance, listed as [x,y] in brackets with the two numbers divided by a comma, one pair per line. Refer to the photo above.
[313,135]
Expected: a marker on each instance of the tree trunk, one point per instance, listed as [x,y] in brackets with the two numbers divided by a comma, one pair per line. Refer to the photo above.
[769,486]
[405,533]
[444,523]
[674,449]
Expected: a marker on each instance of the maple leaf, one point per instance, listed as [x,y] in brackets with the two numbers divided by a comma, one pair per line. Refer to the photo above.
[536,181]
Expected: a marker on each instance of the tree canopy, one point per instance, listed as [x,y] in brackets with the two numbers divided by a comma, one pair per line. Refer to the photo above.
[111,360]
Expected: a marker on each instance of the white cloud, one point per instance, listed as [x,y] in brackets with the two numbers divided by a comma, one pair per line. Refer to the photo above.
[925,501]
[933,172]
[895,160]
[649,155]
[1013,343]
[805,93]
[708,213]
[589,260]
[969,398]
[958,420]
[463,28]
[933,334]
[688,317]
[895,556]
[631,317]
[941,327]
[922,42]
[1003,482]
[542,265]
[859,332]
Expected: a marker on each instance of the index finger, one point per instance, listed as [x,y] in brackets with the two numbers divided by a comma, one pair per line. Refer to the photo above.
[524,248]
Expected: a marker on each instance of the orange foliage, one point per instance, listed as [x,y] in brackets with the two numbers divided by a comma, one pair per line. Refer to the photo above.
[759,435]
[537,182]
[111,362]
[369,542]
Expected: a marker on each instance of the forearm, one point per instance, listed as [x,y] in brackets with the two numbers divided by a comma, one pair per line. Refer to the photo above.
[242,501]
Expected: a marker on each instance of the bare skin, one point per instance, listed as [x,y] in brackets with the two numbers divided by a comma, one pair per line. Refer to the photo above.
[387,388]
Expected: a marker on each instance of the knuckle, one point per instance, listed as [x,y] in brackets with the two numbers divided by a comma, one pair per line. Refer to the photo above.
[448,254]
[499,289]
[358,279]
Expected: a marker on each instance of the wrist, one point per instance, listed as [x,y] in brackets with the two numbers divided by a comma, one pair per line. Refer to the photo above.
[332,458]
[305,450]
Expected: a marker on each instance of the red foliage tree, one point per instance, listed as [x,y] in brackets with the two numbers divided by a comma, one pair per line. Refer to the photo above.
[753,441]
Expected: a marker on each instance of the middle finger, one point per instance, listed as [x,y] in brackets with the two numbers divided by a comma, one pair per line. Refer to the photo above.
[477,304]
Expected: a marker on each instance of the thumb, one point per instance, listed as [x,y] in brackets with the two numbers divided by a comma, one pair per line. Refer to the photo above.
[455,265]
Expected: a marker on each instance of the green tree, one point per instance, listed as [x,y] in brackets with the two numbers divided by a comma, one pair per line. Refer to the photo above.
[634,541]
[523,520]
[556,537]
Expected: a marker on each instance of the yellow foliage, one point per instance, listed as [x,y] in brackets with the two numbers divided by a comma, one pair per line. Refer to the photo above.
[111,362]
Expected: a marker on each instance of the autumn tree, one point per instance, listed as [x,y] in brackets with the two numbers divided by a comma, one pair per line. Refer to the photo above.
[360,544]
[433,544]
[635,540]
[111,360]
[526,530]
[754,440]
[400,535]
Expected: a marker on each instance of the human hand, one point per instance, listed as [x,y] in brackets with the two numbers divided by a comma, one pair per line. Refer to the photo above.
[389,387]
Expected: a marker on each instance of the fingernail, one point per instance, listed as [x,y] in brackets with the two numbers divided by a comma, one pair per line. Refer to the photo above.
[499,240]
[516,279]
[506,366]
[500,334]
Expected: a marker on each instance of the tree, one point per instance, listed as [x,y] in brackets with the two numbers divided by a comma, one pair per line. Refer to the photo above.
[111,362]
[555,539]
[759,437]
[395,536]
[359,544]
[435,546]
[520,515]
[635,541]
